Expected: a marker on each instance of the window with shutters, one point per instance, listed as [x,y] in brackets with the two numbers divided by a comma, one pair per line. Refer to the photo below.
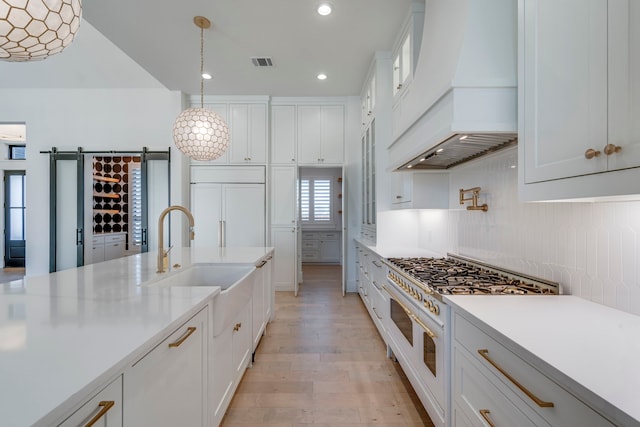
[316,200]
[135,194]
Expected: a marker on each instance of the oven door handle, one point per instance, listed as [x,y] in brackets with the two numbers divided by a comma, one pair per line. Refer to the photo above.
[411,315]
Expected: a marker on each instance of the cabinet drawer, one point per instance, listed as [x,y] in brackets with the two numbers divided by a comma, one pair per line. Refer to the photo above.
[310,256]
[481,402]
[114,238]
[309,235]
[98,240]
[566,409]
[310,244]
[329,235]
[105,407]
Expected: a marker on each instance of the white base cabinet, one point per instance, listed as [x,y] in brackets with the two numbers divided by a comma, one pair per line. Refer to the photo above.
[104,409]
[167,386]
[284,240]
[490,382]
[231,355]
[106,247]
[261,302]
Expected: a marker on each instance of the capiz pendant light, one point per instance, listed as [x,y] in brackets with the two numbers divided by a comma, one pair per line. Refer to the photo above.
[200,133]
[36,29]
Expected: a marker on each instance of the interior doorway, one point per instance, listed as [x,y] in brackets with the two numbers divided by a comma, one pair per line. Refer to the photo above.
[14,220]
[321,219]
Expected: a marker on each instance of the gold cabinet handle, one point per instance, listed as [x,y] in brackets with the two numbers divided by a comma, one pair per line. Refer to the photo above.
[105,405]
[541,403]
[591,153]
[262,264]
[485,414]
[376,312]
[413,316]
[610,149]
[190,330]
[237,327]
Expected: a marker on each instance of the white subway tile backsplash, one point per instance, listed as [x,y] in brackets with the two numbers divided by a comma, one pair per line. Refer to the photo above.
[591,249]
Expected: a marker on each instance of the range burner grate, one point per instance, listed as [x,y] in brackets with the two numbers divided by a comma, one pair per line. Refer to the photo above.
[448,276]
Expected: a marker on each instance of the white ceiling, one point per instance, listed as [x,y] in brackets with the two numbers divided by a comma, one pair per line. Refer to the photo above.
[161,37]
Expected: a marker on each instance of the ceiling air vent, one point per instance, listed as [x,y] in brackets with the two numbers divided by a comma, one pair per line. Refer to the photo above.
[262,62]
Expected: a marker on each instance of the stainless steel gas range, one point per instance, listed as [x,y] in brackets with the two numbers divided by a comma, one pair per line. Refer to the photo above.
[419,329]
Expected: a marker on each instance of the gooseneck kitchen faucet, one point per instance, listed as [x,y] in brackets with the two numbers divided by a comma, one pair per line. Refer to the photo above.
[161,252]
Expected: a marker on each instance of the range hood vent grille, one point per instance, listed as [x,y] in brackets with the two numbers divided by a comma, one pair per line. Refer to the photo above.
[262,62]
[461,148]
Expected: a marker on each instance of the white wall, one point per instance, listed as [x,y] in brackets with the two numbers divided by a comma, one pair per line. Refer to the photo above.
[94,119]
[591,249]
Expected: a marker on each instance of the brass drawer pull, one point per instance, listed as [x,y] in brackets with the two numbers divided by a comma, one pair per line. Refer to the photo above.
[237,327]
[376,312]
[541,403]
[262,264]
[190,330]
[106,405]
[411,315]
[485,414]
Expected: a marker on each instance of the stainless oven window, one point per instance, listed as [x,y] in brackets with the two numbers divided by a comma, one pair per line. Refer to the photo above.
[429,353]
[402,320]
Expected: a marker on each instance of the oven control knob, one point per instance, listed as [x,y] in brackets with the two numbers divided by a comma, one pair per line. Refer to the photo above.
[428,304]
[436,309]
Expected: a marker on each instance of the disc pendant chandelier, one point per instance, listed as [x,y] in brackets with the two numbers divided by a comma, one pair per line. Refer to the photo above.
[36,29]
[200,133]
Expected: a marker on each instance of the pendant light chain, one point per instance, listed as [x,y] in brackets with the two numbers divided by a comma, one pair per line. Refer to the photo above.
[201,67]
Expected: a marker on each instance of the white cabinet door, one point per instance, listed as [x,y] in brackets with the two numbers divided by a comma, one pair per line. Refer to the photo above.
[248,129]
[283,195]
[206,207]
[113,250]
[283,239]
[330,250]
[309,138]
[104,409]
[223,111]
[563,77]
[243,213]
[97,252]
[332,132]
[229,213]
[320,134]
[167,386]
[258,307]
[283,134]
[624,83]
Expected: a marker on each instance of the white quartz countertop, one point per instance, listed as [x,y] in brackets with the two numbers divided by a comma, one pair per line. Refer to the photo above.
[63,334]
[594,349]
[399,251]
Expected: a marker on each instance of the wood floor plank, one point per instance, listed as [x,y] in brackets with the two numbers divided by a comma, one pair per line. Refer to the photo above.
[323,363]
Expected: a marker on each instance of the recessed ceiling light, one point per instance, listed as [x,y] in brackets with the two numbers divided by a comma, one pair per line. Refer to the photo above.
[423,159]
[463,137]
[439,150]
[322,76]
[409,167]
[206,76]
[325,9]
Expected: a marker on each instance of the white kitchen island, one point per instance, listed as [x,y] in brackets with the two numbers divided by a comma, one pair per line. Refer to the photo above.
[67,335]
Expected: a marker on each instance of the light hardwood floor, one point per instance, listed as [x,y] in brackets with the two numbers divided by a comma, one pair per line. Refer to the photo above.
[322,362]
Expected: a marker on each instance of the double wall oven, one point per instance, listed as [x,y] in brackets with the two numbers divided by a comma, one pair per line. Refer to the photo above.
[418,319]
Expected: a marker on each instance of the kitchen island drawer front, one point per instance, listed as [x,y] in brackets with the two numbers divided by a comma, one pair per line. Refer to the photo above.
[329,235]
[481,402]
[104,409]
[555,404]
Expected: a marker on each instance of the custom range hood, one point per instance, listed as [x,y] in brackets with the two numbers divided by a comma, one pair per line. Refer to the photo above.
[462,100]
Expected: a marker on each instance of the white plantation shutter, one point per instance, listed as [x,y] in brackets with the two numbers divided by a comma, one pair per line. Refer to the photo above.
[316,200]
[135,183]
[304,200]
[322,200]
